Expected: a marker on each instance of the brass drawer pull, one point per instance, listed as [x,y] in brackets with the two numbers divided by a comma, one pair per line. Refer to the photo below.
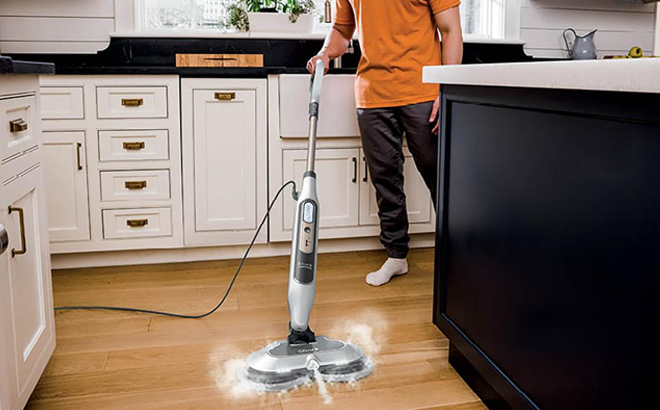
[78,147]
[18,125]
[135,184]
[134,146]
[132,102]
[225,96]
[21,221]
[137,223]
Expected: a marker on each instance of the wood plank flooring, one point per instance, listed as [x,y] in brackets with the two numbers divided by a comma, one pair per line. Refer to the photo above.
[125,361]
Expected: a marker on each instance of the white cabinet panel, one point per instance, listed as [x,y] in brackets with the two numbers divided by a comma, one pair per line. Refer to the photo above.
[137,185]
[225,161]
[66,185]
[338,186]
[31,325]
[17,127]
[62,103]
[6,347]
[137,223]
[418,199]
[133,145]
[338,113]
[131,102]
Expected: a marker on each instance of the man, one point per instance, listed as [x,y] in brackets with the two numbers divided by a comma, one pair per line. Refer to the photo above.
[397,38]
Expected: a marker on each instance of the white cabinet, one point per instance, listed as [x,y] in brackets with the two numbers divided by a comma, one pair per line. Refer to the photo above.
[66,185]
[418,198]
[348,207]
[224,165]
[347,196]
[27,331]
[113,148]
[338,187]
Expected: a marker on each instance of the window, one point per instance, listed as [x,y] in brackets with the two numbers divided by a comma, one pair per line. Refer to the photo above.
[481,18]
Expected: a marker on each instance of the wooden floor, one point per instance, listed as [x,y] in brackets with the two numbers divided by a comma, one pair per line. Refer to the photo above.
[121,361]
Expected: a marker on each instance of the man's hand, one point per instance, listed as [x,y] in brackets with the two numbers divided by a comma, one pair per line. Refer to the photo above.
[311,64]
[435,115]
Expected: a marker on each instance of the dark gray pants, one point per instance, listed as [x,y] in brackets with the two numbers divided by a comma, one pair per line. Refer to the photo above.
[382,132]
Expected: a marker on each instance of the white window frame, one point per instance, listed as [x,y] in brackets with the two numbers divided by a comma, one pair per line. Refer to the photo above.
[501,19]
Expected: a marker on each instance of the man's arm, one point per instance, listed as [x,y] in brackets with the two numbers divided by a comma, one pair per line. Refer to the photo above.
[335,45]
[449,24]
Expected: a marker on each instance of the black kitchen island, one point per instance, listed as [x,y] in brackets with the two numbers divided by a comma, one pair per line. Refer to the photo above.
[548,235]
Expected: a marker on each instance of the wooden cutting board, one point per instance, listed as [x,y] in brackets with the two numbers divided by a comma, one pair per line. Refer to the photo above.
[219,60]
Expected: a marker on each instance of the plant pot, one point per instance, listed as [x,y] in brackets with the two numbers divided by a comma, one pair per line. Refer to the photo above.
[279,22]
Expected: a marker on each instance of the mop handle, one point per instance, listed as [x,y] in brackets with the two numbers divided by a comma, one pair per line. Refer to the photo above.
[317,81]
[315,98]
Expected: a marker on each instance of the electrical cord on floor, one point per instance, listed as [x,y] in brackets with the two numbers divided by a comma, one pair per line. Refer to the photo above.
[231,284]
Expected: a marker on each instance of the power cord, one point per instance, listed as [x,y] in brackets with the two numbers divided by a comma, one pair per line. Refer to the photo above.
[231,284]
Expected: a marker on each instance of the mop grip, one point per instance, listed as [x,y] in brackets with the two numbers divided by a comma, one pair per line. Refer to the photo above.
[315,91]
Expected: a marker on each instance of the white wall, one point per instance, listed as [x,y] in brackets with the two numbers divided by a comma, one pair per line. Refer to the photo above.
[621,25]
[56,26]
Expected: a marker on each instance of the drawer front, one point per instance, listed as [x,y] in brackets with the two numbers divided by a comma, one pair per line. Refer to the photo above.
[131,102]
[137,223]
[62,103]
[137,145]
[17,128]
[135,185]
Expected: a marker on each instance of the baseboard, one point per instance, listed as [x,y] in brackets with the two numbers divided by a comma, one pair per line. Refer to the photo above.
[146,257]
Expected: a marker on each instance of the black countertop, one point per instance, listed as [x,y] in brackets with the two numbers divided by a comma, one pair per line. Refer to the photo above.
[149,56]
[230,72]
[11,66]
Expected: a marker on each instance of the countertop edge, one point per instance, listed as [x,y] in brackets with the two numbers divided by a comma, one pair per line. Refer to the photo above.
[14,67]
[629,75]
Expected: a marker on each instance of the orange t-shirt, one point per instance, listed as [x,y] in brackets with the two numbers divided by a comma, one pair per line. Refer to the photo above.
[397,38]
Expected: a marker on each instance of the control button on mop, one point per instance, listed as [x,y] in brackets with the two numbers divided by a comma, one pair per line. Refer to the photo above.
[308,212]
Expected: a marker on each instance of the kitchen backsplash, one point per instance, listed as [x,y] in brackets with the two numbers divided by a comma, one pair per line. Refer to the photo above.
[620,25]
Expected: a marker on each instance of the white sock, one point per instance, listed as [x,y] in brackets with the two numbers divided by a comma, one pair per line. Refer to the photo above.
[392,267]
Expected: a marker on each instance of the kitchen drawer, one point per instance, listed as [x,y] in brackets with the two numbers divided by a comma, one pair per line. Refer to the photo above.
[135,185]
[136,223]
[62,103]
[134,145]
[18,127]
[131,102]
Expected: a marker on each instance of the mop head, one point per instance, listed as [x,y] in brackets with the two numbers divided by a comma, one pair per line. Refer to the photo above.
[282,366]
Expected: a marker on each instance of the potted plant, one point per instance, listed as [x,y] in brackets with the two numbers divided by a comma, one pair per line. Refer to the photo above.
[271,15]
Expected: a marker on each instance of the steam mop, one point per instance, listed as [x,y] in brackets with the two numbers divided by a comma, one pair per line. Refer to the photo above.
[286,364]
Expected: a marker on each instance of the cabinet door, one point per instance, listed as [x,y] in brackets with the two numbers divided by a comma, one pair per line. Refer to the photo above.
[31,331]
[418,198]
[337,171]
[224,146]
[66,186]
[6,352]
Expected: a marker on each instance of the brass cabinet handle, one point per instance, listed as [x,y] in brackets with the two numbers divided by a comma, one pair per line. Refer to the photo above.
[354,180]
[21,221]
[135,184]
[137,223]
[18,125]
[366,170]
[133,146]
[132,102]
[78,147]
[225,96]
